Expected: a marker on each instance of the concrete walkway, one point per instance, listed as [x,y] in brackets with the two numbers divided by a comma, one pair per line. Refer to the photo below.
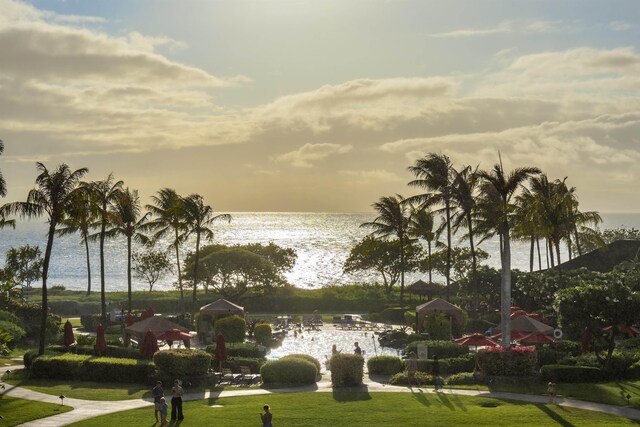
[85,409]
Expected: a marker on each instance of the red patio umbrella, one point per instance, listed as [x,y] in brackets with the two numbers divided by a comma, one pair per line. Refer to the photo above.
[174,335]
[101,343]
[518,313]
[476,340]
[68,334]
[130,319]
[515,335]
[537,338]
[149,345]
[221,350]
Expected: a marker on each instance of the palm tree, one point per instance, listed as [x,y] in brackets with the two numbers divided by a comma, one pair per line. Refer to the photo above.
[463,201]
[199,220]
[128,222]
[52,196]
[504,186]
[527,223]
[4,222]
[81,215]
[170,217]
[392,220]
[421,227]
[433,174]
[103,196]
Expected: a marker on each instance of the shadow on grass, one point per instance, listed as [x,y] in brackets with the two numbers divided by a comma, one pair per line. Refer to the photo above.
[444,399]
[351,394]
[457,402]
[554,416]
[420,396]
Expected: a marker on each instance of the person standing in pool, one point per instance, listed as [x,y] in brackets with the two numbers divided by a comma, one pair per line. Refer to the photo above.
[357,350]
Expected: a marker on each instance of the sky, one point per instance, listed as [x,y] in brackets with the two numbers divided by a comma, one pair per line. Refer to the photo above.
[320,106]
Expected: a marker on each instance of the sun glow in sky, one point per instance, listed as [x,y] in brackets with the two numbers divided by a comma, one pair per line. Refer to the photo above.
[313,105]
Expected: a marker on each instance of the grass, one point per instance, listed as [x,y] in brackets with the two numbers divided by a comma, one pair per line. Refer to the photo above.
[75,321]
[356,409]
[18,411]
[611,393]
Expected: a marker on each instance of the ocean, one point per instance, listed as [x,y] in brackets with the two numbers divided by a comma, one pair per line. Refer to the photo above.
[321,240]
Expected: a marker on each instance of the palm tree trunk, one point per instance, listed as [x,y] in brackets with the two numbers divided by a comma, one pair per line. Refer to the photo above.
[474,264]
[129,270]
[429,263]
[550,249]
[179,272]
[45,274]
[505,303]
[401,270]
[570,248]
[103,301]
[577,239]
[86,247]
[557,245]
[448,214]
[539,255]
[195,269]
[531,253]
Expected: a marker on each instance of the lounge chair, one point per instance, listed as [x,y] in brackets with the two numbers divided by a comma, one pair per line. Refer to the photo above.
[246,377]
[229,377]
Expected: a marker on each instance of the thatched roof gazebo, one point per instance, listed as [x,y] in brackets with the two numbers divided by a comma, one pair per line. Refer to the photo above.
[422,288]
[438,305]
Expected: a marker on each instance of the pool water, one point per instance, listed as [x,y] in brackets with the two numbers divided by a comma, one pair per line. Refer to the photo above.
[318,344]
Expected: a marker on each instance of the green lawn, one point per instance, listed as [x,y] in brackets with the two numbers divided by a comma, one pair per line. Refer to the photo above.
[18,411]
[363,409]
[75,321]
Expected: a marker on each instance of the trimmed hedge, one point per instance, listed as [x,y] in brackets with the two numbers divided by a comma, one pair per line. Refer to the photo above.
[182,363]
[464,378]
[385,365]
[346,370]
[90,322]
[305,357]
[110,351]
[28,358]
[453,365]
[442,349]
[401,378]
[291,371]
[571,374]
[262,333]
[514,362]
[232,328]
[87,368]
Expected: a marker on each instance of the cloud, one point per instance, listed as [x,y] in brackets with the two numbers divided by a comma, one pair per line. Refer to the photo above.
[620,26]
[514,27]
[364,177]
[308,153]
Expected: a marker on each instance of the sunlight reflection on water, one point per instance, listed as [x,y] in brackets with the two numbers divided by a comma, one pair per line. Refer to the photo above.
[318,344]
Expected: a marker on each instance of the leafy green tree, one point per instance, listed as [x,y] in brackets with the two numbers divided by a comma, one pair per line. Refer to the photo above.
[605,301]
[498,183]
[23,265]
[381,256]
[488,285]
[52,196]
[283,259]
[461,262]
[233,271]
[200,218]
[393,221]
[103,197]
[151,266]
[170,218]
[128,221]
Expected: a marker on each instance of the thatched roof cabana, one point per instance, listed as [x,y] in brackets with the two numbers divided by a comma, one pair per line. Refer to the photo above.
[438,305]
[422,288]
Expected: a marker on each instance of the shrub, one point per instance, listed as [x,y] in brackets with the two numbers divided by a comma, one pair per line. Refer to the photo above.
[571,374]
[15,332]
[346,370]
[87,368]
[438,326]
[464,378]
[90,322]
[8,317]
[246,349]
[619,366]
[232,328]
[87,340]
[442,349]
[64,367]
[110,351]
[410,317]
[116,370]
[634,371]
[393,315]
[305,357]
[384,365]
[262,332]
[401,378]
[291,371]
[466,363]
[516,362]
[182,363]
[629,344]
[28,358]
